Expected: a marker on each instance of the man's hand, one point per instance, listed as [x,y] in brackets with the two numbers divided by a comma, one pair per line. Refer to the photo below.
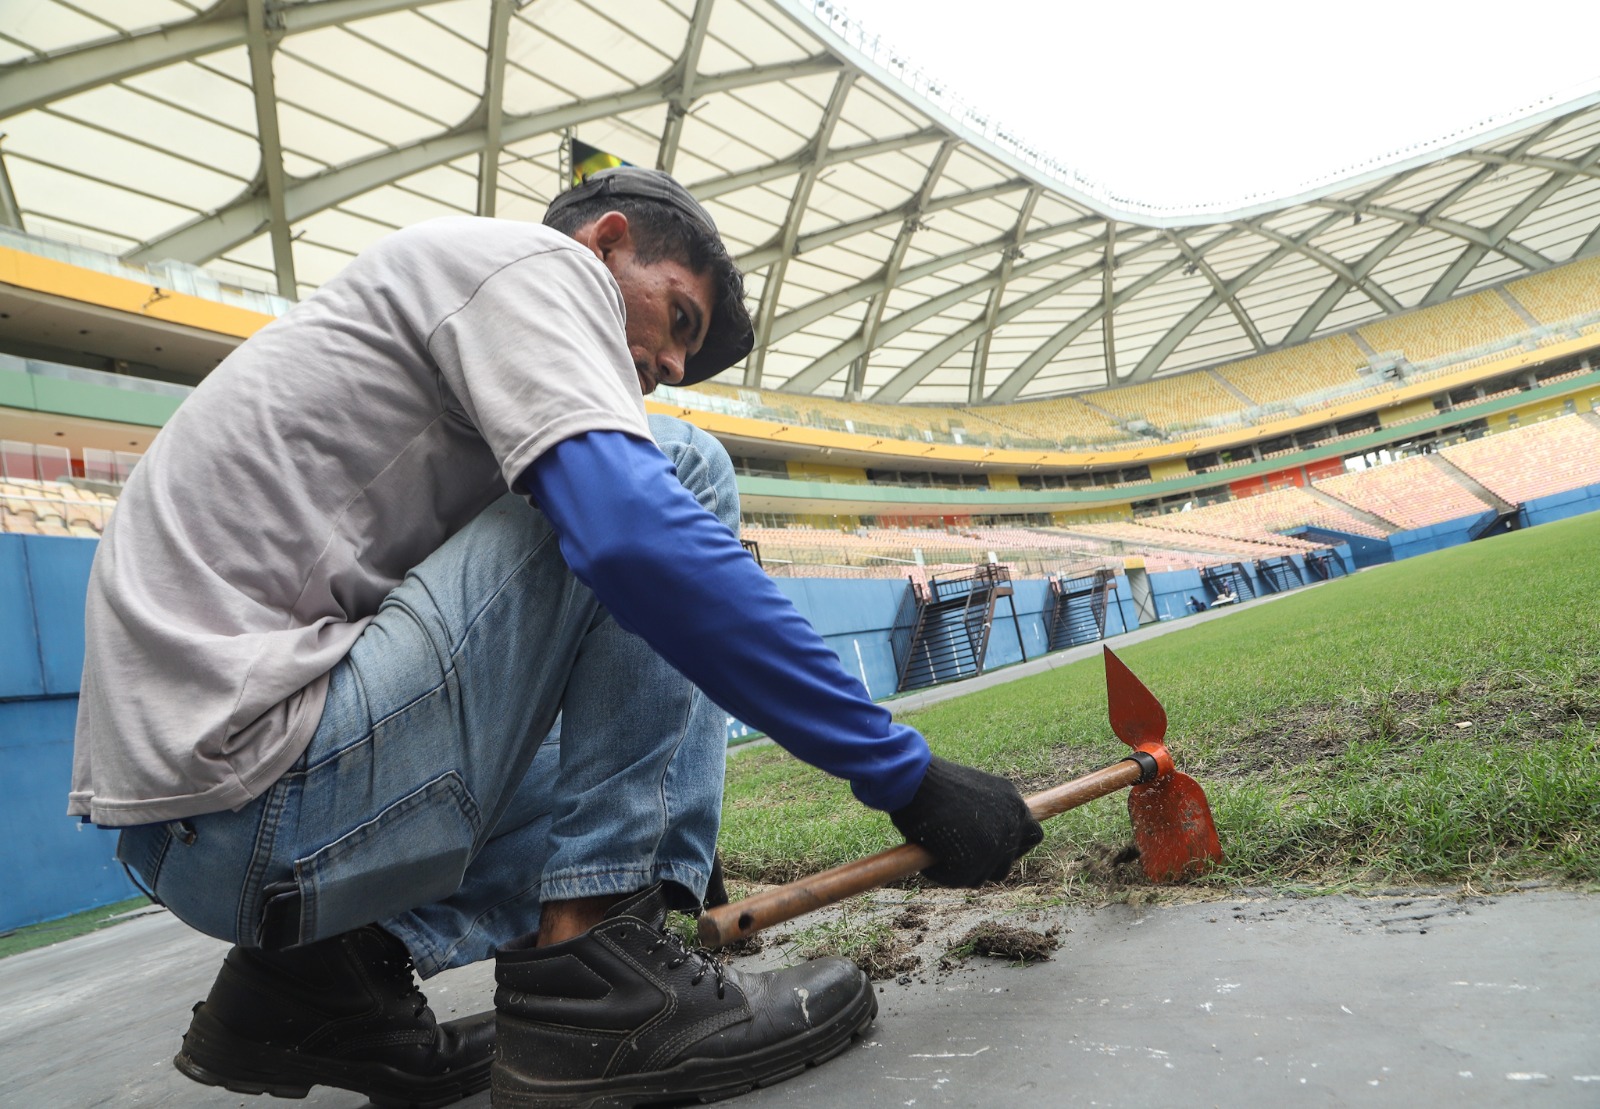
[975,824]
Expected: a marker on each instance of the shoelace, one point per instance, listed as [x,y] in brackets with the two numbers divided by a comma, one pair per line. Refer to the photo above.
[704,961]
[404,970]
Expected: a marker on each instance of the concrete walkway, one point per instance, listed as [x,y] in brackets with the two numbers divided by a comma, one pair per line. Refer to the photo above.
[1405,1000]
[1418,1000]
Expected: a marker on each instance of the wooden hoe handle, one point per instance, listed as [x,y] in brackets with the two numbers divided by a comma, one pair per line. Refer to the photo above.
[731,922]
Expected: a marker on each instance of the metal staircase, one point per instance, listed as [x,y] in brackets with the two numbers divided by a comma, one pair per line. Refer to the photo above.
[941,633]
[1078,609]
[1325,565]
[1228,577]
[1278,575]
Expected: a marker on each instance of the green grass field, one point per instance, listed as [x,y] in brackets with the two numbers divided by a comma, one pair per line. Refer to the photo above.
[1434,721]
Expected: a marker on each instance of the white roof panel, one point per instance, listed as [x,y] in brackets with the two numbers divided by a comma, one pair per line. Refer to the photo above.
[134,124]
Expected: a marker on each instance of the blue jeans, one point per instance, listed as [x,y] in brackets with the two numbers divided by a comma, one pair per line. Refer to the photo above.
[492,741]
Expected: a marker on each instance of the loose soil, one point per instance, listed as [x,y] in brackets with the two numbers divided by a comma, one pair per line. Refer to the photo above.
[1006,941]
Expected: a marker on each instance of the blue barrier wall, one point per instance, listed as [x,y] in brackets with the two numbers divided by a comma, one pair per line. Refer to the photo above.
[50,865]
[1363,550]
[1574,502]
[1436,537]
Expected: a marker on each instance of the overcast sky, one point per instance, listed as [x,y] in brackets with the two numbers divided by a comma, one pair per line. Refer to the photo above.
[1192,103]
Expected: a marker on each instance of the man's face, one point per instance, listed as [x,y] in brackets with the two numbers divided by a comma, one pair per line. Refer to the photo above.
[669,310]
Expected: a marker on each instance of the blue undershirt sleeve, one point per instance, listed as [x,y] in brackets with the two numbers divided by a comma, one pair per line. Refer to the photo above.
[674,575]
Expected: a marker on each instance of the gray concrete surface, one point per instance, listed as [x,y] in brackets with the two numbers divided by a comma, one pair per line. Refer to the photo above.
[1414,1000]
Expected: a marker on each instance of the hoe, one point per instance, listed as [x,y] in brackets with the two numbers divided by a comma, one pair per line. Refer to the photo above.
[1172,825]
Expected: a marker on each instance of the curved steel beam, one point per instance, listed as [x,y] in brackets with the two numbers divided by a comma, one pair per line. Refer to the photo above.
[686,72]
[799,318]
[1379,295]
[493,108]
[717,186]
[1451,279]
[1312,317]
[1512,249]
[1042,355]
[1203,267]
[37,82]
[264,29]
[772,286]
[1329,298]
[767,255]
[222,230]
[897,386]
[980,349]
[1179,331]
[841,355]
[891,271]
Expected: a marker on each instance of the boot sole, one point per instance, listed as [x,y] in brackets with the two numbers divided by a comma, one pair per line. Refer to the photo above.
[216,1057]
[694,1080]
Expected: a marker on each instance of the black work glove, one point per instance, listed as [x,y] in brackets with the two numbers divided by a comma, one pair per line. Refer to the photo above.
[976,824]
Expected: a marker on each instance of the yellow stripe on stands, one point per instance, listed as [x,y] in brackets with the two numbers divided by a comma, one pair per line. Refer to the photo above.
[122,294]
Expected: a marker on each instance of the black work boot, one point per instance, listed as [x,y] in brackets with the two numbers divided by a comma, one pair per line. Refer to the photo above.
[625,1014]
[342,1012]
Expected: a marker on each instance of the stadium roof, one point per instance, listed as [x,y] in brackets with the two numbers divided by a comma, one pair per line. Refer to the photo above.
[899,246]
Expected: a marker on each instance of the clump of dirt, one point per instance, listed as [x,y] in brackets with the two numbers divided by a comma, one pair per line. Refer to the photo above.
[1005,941]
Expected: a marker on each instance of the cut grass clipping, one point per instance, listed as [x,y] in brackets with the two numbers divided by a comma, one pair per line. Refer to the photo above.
[1434,721]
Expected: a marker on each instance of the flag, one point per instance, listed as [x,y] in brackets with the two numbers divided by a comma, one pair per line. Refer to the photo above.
[588,159]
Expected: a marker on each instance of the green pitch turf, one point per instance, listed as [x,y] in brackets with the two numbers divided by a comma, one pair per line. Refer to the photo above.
[1431,721]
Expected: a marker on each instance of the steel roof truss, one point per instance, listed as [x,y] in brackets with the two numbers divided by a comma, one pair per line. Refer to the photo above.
[682,98]
[1246,324]
[221,231]
[823,368]
[772,286]
[902,382]
[1451,279]
[32,84]
[980,349]
[493,108]
[891,271]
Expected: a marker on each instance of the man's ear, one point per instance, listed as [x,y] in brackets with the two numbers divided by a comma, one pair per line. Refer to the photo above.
[611,233]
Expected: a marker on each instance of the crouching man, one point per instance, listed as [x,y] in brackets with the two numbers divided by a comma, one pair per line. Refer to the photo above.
[333,622]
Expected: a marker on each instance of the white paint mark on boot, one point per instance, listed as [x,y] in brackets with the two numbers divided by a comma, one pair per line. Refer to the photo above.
[804,995]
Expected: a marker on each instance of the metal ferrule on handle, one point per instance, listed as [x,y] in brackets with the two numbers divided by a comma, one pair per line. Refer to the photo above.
[728,923]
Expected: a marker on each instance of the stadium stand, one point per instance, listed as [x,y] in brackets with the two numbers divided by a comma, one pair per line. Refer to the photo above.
[1260,518]
[1180,401]
[1412,493]
[1455,325]
[1305,370]
[1533,461]
[1562,293]
[1062,419]
[53,508]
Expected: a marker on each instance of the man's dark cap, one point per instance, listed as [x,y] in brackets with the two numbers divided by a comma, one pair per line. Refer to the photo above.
[728,339]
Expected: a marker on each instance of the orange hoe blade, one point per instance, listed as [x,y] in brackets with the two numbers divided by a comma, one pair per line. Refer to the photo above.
[1171,823]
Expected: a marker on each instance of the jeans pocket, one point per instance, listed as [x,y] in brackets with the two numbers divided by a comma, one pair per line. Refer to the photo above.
[413,853]
[143,848]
